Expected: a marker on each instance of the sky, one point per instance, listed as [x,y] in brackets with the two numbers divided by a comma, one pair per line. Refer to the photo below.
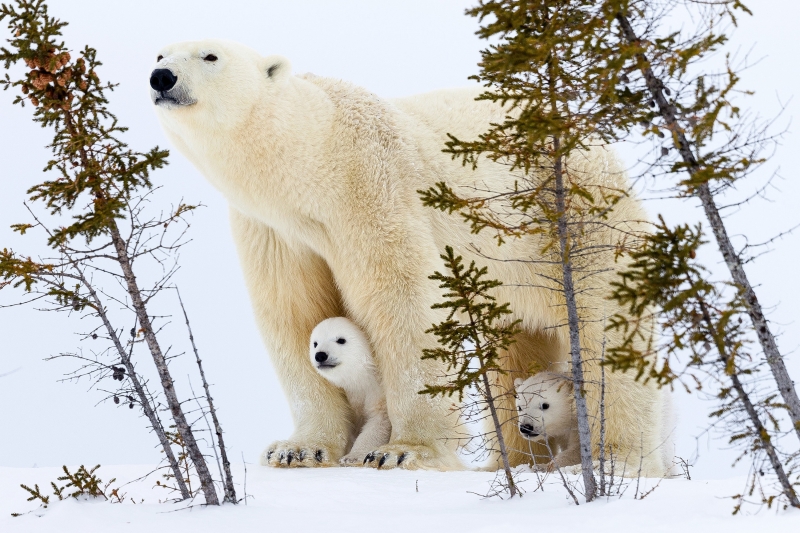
[393,48]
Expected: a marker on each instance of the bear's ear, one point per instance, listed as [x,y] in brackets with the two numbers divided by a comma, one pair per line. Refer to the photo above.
[276,68]
[518,382]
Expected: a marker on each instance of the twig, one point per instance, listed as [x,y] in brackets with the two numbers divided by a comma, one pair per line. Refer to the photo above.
[208,426]
[245,478]
[230,492]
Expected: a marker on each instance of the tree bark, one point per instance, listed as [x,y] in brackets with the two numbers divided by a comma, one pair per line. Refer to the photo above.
[732,259]
[184,429]
[603,419]
[584,432]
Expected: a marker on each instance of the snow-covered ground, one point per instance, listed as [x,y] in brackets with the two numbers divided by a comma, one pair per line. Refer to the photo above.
[355,500]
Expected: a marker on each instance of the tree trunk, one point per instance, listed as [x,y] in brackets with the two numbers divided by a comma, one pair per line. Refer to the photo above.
[584,432]
[185,431]
[152,416]
[732,260]
[498,430]
[603,418]
[752,414]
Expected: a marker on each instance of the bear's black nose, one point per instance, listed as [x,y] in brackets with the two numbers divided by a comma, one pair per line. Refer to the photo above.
[320,357]
[162,79]
[527,429]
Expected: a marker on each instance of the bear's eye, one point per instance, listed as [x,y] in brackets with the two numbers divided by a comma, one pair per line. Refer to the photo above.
[519,408]
[210,57]
[315,344]
[160,58]
[545,406]
[340,341]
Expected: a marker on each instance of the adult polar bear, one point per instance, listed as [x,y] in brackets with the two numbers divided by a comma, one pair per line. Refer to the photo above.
[322,181]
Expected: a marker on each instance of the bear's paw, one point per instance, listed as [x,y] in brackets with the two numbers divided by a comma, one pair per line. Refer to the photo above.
[291,454]
[412,457]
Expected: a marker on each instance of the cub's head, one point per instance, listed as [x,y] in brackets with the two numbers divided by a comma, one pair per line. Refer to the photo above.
[544,405]
[213,83]
[339,351]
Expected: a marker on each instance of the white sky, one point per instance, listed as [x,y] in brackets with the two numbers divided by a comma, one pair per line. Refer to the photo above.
[393,48]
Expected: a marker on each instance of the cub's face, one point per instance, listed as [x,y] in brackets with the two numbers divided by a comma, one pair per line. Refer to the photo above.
[339,351]
[543,406]
[213,82]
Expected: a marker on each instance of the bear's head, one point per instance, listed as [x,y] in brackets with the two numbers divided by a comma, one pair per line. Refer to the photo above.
[544,405]
[213,84]
[340,352]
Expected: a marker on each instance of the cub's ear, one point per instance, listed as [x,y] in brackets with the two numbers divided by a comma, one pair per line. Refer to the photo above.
[518,382]
[276,68]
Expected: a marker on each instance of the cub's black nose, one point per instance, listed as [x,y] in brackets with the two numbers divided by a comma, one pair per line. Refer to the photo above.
[162,79]
[320,357]
[527,429]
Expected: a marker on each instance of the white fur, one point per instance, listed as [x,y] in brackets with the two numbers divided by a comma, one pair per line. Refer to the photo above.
[545,404]
[322,179]
[341,354]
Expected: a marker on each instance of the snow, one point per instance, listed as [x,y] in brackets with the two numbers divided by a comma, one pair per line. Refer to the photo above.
[356,500]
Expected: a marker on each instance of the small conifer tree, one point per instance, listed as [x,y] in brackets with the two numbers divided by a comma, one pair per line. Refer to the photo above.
[696,317]
[97,192]
[472,339]
[706,142]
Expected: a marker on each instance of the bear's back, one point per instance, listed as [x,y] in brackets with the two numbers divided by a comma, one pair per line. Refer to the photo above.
[453,111]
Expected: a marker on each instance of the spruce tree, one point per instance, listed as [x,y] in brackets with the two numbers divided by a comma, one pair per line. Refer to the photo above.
[708,143]
[472,339]
[97,189]
[705,145]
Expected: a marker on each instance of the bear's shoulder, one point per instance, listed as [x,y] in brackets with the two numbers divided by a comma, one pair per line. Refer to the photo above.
[357,109]
[343,94]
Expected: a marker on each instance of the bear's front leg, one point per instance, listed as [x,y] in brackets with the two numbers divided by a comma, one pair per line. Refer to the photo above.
[388,294]
[570,454]
[374,434]
[292,290]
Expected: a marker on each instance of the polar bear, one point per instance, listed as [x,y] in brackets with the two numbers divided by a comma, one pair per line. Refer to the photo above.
[546,414]
[322,180]
[341,354]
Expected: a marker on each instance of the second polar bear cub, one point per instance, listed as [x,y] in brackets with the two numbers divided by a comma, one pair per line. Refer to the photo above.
[340,352]
[545,411]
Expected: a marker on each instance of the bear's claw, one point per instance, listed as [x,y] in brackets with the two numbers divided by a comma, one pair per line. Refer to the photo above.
[285,454]
[412,457]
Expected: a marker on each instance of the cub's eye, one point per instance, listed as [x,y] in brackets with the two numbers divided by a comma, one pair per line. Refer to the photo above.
[545,406]
[340,341]
[210,57]
[160,58]
[519,408]
[315,344]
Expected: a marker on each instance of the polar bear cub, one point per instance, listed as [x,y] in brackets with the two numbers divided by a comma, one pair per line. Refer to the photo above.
[341,354]
[546,414]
